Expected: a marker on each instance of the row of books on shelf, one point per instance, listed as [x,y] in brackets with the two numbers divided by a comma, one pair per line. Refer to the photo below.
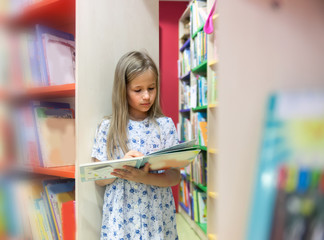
[194,128]
[193,201]
[197,170]
[184,63]
[41,56]
[185,102]
[198,15]
[195,95]
[37,208]
[199,92]
[45,134]
[199,49]
[213,88]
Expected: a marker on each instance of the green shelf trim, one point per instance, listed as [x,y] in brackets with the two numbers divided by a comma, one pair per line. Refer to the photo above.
[200,68]
[202,108]
[202,187]
[203,227]
[199,30]
[201,147]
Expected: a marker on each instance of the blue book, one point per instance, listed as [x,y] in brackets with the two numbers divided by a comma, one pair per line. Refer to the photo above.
[40,30]
[34,61]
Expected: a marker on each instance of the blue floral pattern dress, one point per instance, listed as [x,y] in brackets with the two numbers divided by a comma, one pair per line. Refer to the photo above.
[134,210]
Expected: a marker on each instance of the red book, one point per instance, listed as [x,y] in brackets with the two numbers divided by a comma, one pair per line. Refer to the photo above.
[68,220]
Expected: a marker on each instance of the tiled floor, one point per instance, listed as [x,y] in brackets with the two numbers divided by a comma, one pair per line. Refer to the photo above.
[185,232]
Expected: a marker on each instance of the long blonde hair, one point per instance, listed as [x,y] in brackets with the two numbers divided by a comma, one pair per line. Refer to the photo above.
[130,65]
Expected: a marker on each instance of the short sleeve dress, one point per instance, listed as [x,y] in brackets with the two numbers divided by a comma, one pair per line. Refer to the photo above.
[134,210]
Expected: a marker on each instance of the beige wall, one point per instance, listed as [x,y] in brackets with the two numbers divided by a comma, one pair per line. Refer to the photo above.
[105,30]
[261,50]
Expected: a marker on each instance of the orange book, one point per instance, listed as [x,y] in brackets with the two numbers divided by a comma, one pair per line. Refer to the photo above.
[203,131]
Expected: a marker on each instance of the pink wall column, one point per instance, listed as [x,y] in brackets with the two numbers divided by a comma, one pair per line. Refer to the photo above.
[170,12]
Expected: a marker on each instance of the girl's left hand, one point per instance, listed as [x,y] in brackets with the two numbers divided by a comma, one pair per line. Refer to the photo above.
[133,174]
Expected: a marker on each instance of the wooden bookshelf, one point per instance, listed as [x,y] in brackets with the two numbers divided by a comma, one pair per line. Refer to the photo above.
[212,129]
[212,105]
[200,228]
[212,62]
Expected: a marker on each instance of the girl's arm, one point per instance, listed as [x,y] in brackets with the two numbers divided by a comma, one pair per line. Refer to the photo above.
[169,178]
[104,182]
[130,154]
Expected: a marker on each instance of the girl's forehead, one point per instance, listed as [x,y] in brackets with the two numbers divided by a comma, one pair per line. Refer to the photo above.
[145,78]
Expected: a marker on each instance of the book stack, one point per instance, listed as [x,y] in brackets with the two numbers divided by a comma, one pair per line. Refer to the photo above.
[36,209]
[193,199]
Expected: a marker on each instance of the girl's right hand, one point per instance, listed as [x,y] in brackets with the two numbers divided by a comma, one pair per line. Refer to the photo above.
[133,154]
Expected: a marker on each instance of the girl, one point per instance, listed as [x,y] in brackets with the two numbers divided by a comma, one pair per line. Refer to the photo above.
[138,203]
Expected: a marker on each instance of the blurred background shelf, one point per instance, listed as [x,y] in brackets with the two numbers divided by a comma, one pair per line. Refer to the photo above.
[59,91]
[53,13]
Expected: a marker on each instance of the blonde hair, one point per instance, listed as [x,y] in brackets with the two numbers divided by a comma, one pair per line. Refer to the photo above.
[130,65]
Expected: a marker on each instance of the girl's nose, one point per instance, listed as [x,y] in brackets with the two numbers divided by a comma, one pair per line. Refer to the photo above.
[146,95]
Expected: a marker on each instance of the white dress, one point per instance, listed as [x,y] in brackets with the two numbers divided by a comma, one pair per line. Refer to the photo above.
[134,210]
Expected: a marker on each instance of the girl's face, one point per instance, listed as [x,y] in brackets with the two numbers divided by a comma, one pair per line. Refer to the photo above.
[141,93]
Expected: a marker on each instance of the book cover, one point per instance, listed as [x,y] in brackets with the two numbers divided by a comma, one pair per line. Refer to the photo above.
[57,141]
[177,156]
[34,105]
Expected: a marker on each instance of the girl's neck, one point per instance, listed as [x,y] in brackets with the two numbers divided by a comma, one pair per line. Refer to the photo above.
[138,117]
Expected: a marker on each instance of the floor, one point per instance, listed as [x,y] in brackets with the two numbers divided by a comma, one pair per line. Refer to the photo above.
[185,232]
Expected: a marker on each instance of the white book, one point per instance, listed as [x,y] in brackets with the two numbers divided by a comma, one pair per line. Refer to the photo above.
[60,59]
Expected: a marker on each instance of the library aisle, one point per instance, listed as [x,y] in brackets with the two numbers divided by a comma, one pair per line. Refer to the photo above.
[185,232]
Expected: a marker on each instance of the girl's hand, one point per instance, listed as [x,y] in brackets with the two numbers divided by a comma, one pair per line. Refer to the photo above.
[133,174]
[132,154]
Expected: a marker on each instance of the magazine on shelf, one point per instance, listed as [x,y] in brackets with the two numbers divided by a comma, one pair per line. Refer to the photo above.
[177,156]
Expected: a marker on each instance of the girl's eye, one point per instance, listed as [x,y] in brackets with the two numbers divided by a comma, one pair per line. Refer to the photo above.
[151,89]
[137,90]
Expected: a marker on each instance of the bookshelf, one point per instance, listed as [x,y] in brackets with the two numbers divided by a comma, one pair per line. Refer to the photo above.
[201,65]
[93,24]
[17,93]
[243,92]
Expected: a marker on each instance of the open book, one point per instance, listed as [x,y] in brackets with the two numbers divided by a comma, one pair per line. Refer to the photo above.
[178,156]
